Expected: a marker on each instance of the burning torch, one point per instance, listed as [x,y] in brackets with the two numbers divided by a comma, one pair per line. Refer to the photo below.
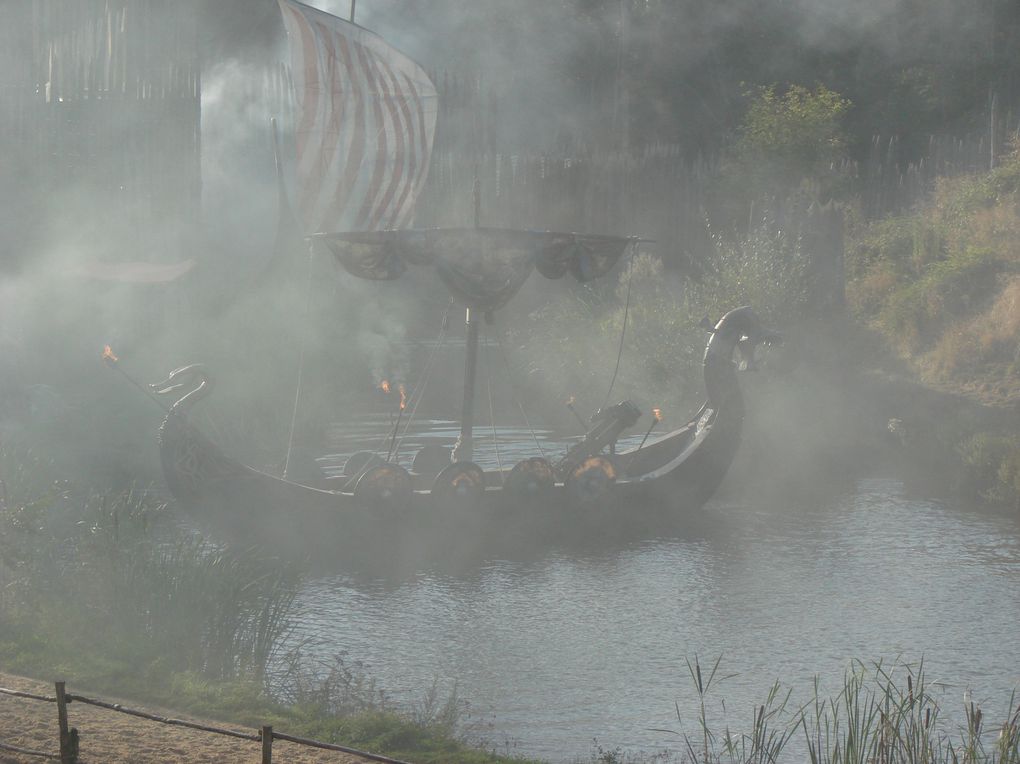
[656,418]
[400,413]
[113,362]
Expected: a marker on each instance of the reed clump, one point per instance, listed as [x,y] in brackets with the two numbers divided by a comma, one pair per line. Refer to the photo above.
[111,573]
[882,714]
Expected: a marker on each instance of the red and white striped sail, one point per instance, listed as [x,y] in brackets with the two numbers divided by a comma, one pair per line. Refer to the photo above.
[364,124]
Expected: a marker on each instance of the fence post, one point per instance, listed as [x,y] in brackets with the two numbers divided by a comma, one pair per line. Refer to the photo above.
[68,738]
[267,744]
[73,745]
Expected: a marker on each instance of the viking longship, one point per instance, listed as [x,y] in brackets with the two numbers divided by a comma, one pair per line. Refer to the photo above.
[363,127]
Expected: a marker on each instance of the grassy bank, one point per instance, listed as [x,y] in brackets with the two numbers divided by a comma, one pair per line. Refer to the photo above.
[942,286]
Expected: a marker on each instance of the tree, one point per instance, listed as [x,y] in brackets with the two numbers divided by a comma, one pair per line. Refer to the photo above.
[789,137]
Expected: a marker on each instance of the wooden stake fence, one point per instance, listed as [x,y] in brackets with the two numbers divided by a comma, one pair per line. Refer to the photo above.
[69,736]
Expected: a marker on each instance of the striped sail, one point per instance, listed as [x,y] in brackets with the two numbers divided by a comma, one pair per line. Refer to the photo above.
[364,123]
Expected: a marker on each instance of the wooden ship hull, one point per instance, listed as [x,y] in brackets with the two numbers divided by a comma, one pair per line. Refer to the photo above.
[596,498]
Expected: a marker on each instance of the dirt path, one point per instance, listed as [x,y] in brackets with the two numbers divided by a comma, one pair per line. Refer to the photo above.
[108,737]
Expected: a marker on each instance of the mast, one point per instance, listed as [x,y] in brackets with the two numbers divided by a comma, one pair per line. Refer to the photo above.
[465,444]
[464,450]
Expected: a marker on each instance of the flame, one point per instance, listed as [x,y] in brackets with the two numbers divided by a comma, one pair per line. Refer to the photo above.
[108,355]
[570,400]
[385,386]
[657,413]
[403,396]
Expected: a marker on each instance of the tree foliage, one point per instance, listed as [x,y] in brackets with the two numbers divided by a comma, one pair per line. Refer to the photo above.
[792,135]
[790,139]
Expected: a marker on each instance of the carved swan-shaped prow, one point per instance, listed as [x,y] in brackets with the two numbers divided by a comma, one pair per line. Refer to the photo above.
[739,330]
[194,378]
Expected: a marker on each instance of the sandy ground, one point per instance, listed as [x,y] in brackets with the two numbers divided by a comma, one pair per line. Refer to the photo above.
[108,737]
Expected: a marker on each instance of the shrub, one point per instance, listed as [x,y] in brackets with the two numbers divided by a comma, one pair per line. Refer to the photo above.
[110,572]
[993,463]
[788,136]
[767,270]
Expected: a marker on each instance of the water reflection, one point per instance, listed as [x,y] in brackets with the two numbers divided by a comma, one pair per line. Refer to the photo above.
[563,647]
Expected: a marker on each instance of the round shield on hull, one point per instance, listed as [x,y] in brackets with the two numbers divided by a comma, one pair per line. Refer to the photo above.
[431,459]
[385,486]
[462,484]
[360,462]
[592,480]
[530,479]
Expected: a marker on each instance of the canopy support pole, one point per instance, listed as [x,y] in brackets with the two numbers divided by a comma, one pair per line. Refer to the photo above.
[464,450]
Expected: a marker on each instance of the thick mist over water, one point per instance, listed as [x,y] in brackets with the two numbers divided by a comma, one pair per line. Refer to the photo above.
[140,209]
[553,93]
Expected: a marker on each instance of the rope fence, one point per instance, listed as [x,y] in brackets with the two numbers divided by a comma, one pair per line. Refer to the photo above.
[29,752]
[69,736]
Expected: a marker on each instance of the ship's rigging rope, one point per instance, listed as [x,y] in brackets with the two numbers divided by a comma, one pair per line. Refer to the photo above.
[623,331]
[419,390]
[513,394]
[301,360]
[492,411]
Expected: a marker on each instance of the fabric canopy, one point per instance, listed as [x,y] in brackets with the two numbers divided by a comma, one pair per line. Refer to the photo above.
[482,267]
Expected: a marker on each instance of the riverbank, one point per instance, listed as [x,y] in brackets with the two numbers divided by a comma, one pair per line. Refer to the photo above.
[847,405]
[941,285]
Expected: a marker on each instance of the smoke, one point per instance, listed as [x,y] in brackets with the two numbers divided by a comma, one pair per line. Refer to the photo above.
[541,78]
[239,198]
[588,73]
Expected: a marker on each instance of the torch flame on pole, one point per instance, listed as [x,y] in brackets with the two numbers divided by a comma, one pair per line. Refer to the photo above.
[656,418]
[396,425]
[110,359]
[570,405]
[385,386]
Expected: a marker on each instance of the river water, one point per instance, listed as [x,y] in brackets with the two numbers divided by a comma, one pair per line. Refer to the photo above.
[556,651]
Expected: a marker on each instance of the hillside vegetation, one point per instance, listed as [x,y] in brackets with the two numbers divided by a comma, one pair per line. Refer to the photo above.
[942,284]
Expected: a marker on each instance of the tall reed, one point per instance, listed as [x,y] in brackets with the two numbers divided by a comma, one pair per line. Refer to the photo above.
[115,573]
[883,714]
